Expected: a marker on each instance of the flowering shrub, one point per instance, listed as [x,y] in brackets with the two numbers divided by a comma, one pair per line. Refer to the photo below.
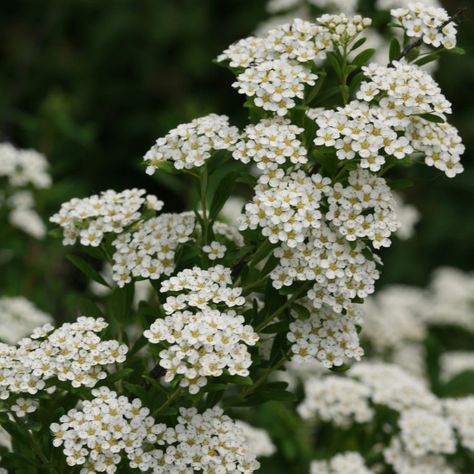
[232,302]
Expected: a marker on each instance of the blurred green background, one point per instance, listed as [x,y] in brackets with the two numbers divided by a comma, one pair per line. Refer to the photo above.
[93,83]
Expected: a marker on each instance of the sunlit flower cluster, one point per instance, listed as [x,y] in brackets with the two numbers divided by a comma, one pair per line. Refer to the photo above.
[89,219]
[270,144]
[148,250]
[427,22]
[73,353]
[337,400]
[18,318]
[189,145]
[344,463]
[326,336]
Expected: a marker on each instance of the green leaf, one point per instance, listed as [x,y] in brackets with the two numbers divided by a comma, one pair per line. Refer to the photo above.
[413,54]
[395,49]
[344,92]
[277,328]
[139,343]
[400,183]
[363,57]
[119,375]
[355,82]
[358,43]
[427,59]
[301,310]
[222,193]
[432,118]
[315,90]
[458,51]
[335,65]
[135,390]
[340,368]
[85,268]
[89,308]
[236,379]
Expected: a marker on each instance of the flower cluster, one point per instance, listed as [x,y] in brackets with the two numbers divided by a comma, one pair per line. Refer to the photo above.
[402,462]
[393,387]
[326,336]
[270,144]
[190,145]
[275,72]
[422,432]
[110,429]
[427,22]
[391,125]
[460,412]
[426,427]
[74,353]
[392,318]
[89,219]
[23,169]
[344,29]
[345,463]
[105,427]
[148,250]
[364,209]
[18,317]
[338,400]
[286,207]
[204,342]
[257,439]
[327,249]
[200,289]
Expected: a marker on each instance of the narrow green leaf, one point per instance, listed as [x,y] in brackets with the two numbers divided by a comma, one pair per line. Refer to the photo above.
[432,118]
[395,49]
[363,57]
[85,268]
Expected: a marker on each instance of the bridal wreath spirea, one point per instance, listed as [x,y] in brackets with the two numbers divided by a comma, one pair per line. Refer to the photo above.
[232,298]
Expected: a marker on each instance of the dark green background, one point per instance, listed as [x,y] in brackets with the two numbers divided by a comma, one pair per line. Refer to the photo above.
[93,83]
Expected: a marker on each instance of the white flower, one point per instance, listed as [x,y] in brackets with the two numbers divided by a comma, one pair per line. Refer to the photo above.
[215,250]
[23,406]
[190,145]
